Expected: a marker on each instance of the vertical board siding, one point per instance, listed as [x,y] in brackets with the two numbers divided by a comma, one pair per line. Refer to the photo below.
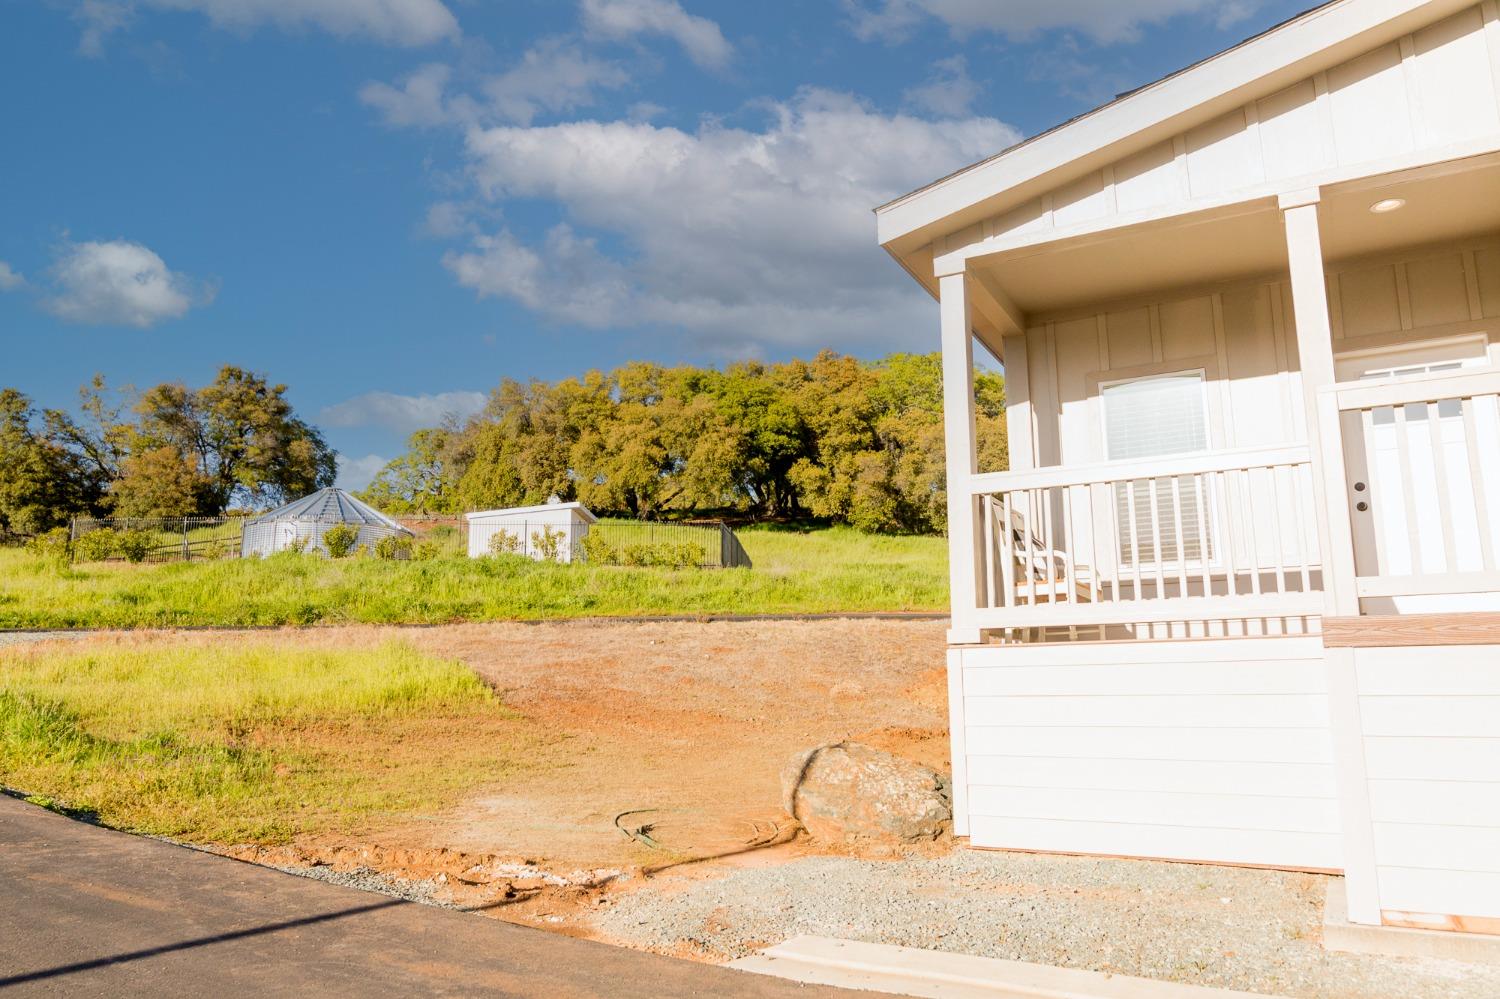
[1432,748]
[1211,750]
[1425,91]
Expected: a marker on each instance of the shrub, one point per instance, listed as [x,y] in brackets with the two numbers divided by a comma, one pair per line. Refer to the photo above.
[296,546]
[135,545]
[426,551]
[340,540]
[597,550]
[505,543]
[95,546]
[51,546]
[394,546]
[547,543]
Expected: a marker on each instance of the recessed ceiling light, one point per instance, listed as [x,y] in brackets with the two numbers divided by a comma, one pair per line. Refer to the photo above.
[1387,205]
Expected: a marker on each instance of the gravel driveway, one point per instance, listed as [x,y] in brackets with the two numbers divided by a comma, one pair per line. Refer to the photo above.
[1228,927]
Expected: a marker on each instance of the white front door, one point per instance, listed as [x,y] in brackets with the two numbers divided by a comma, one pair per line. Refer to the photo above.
[1399,527]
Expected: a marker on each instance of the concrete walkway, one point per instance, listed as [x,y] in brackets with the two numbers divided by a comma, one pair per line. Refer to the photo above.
[86,911]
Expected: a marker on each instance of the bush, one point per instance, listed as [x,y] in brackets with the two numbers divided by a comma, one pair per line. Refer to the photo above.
[340,540]
[135,545]
[597,550]
[296,546]
[96,546]
[426,551]
[547,543]
[52,546]
[393,547]
[505,543]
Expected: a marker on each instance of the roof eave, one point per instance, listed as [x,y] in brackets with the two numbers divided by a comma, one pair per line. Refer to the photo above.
[1323,36]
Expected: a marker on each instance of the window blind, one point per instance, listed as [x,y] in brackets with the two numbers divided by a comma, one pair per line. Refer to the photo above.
[1151,418]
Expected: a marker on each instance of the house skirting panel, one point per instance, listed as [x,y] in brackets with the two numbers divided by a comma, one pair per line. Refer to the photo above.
[1210,750]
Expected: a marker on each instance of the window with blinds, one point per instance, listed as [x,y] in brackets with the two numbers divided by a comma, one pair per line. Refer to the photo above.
[1151,418]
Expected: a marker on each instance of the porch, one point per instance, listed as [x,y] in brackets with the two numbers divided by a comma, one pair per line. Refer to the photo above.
[1312,452]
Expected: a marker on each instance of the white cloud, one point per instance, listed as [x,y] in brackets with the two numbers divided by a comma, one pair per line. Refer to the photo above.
[739,236]
[1105,21]
[10,279]
[554,75]
[623,20]
[420,100]
[948,92]
[394,22]
[120,283]
[98,19]
[402,413]
[356,473]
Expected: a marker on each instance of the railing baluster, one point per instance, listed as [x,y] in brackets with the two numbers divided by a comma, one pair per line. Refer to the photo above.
[1182,578]
[1048,546]
[1008,551]
[1028,545]
[1372,477]
[1156,551]
[1225,518]
[1200,487]
[987,511]
[1070,566]
[1476,479]
[1301,522]
[1252,539]
[1440,472]
[1095,567]
[1409,494]
[1135,546]
[1277,532]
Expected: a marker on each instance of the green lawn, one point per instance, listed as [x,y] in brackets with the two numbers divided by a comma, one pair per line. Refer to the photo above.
[837,569]
[254,742]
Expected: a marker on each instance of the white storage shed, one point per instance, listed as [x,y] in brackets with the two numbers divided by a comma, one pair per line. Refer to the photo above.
[572,520]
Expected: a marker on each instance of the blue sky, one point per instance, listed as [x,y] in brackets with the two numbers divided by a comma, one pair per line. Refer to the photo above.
[390,205]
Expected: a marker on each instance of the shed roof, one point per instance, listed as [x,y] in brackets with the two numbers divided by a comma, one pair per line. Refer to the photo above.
[329,506]
[582,511]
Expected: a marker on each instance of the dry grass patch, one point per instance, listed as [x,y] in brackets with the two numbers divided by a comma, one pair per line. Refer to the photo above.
[251,741]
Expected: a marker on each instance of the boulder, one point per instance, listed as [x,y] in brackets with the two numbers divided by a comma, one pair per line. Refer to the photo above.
[848,792]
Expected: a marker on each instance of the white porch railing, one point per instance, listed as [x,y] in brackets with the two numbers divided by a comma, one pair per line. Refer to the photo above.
[1424,468]
[1221,535]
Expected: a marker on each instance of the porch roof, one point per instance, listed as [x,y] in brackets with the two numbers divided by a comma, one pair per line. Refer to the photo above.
[1308,43]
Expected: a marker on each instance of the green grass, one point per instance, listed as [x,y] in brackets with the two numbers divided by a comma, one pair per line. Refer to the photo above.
[249,744]
[832,570]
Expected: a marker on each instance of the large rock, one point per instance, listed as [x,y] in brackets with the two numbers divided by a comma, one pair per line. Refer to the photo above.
[849,792]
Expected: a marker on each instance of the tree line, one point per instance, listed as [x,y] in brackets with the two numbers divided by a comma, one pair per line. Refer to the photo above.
[169,451]
[833,438]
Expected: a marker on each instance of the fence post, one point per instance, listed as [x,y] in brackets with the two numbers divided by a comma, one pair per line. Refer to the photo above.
[187,552]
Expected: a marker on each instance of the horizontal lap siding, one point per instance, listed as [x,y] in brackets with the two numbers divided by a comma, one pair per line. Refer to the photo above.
[1431,718]
[1213,750]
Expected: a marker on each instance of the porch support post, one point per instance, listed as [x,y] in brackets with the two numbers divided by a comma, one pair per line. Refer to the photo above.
[962,457]
[1335,535]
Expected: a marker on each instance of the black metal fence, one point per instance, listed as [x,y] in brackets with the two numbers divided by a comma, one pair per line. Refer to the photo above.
[154,539]
[703,545]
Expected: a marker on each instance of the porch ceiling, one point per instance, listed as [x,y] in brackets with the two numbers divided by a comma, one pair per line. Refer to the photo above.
[1125,263]
[1447,202]
[1454,200]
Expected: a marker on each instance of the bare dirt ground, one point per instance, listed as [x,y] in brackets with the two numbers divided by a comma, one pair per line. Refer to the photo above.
[686,725]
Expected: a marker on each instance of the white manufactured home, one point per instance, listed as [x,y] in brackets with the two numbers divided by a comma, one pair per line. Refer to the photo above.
[1237,599]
